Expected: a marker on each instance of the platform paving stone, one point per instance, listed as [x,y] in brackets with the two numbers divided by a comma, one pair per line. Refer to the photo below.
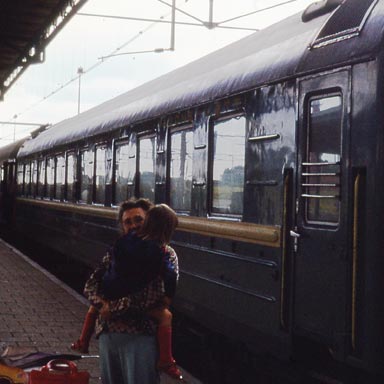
[39,312]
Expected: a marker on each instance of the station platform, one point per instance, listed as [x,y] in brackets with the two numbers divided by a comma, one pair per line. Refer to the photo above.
[42,314]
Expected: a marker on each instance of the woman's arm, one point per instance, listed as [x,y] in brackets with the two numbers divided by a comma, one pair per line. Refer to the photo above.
[93,284]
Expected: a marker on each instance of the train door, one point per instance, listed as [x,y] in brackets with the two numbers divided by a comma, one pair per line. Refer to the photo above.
[320,235]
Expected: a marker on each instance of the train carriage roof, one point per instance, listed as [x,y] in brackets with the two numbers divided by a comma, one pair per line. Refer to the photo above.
[9,152]
[281,51]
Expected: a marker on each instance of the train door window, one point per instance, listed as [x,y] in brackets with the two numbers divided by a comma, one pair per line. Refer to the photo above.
[71,175]
[147,167]
[50,187]
[41,177]
[101,173]
[321,169]
[122,170]
[27,179]
[60,177]
[181,169]
[228,154]
[20,179]
[87,171]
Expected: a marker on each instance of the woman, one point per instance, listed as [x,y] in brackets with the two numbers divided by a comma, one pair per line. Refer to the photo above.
[125,330]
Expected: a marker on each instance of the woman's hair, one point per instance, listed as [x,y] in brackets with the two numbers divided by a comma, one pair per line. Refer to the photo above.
[159,224]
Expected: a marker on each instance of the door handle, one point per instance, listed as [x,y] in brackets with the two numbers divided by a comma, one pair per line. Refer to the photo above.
[296,237]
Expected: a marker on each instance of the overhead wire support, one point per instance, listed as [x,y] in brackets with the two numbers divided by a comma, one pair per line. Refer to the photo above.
[181,11]
[173,25]
[211,24]
[208,24]
[156,50]
[186,23]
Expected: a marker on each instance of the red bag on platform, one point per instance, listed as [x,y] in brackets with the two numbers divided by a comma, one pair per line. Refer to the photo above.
[59,371]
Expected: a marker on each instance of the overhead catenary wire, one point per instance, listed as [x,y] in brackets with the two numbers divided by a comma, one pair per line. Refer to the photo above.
[185,23]
[87,70]
[257,11]
[116,52]
[211,24]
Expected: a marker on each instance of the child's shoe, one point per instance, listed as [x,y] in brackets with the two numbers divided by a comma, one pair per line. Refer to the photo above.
[171,370]
[80,346]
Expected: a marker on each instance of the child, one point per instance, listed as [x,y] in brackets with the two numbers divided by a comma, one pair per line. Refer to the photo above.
[137,259]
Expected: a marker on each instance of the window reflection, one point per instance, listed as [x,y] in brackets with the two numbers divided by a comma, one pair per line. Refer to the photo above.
[122,171]
[322,182]
[50,177]
[100,176]
[181,170]
[34,176]
[228,166]
[147,167]
[60,177]
[27,179]
[41,178]
[20,179]
[71,175]
[86,176]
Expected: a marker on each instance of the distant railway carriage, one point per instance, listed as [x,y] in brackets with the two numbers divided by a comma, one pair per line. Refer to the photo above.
[271,150]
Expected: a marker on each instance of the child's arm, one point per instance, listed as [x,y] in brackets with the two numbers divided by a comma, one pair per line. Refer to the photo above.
[140,301]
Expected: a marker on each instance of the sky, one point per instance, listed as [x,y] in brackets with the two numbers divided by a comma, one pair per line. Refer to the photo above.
[117,54]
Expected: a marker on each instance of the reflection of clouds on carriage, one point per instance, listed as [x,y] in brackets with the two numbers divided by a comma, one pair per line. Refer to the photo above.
[267,150]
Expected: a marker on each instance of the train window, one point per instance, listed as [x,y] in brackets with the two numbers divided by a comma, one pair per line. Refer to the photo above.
[34,176]
[71,175]
[87,170]
[181,170]
[125,169]
[27,179]
[228,166]
[50,186]
[122,163]
[40,177]
[101,173]
[60,177]
[132,166]
[147,167]
[20,179]
[321,169]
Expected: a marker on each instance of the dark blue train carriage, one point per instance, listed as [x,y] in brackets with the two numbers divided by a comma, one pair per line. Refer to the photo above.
[271,150]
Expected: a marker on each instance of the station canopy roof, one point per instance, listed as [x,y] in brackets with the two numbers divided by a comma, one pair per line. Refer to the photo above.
[26,27]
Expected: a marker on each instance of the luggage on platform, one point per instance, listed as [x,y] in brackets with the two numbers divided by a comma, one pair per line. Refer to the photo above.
[12,375]
[59,371]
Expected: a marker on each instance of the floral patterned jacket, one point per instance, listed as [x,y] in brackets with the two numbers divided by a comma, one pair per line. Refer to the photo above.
[129,314]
